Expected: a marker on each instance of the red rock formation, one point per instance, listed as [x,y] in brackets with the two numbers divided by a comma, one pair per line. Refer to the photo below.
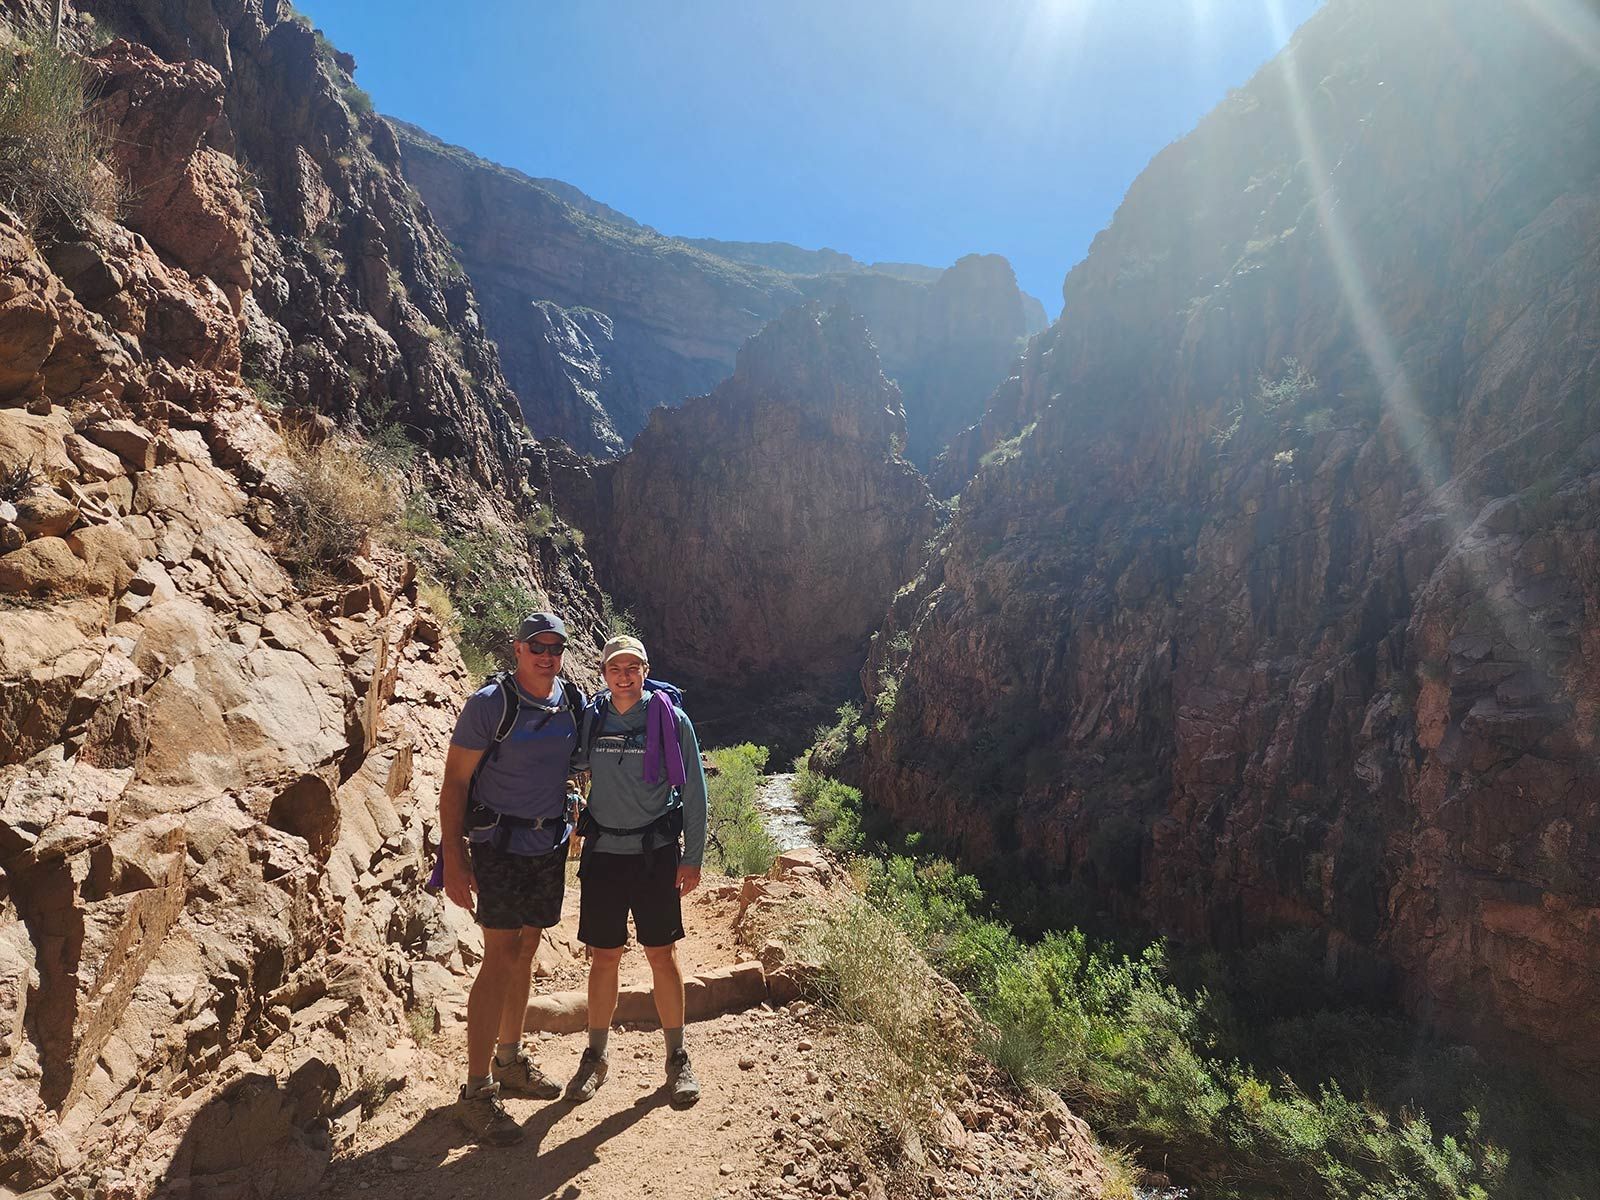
[757,532]
[216,784]
[1274,602]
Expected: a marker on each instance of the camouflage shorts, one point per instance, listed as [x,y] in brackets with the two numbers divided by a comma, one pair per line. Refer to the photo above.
[516,890]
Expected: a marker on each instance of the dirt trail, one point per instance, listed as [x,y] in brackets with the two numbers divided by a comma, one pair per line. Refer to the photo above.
[627,1141]
[775,1080]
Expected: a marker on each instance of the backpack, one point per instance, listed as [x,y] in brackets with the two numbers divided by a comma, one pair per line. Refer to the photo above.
[671,821]
[481,816]
[594,713]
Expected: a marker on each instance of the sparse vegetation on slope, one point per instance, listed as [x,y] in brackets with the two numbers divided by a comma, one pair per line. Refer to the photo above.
[52,150]
[1243,1078]
[1342,1104]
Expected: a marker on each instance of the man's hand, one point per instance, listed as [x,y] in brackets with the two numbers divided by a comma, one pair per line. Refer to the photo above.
[688,880]
[459,883]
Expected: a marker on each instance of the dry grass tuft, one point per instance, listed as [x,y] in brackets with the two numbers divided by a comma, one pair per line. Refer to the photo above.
[52,149]
[336,499]
[874,978]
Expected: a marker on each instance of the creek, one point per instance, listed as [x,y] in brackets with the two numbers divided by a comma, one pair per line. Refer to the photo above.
[780,813]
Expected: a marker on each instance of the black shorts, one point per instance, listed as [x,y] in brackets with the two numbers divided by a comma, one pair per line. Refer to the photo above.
[517,890]
[615,884]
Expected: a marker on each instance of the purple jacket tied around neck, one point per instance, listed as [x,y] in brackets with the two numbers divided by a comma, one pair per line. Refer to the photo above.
[661,738]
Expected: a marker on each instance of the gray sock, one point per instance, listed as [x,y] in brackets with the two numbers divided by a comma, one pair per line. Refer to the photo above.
[505,1053]
[674,1038]
[478,1083]
[598,1039]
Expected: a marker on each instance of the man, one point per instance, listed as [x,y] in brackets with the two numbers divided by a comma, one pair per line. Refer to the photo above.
[504,836]
[646,784]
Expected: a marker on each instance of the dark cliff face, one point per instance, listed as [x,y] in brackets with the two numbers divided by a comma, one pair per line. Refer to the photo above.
[1284,538]
[351,294]
[946,343]
[351,304]
[757,532]
[676,311]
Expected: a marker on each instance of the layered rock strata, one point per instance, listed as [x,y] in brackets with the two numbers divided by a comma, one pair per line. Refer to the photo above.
[757,532]
[216,777]
[552,268]
[1273,602]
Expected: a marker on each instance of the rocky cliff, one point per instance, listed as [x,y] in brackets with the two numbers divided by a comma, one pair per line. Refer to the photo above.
[601,320]
[1273,602]
[757,532]
[217,765]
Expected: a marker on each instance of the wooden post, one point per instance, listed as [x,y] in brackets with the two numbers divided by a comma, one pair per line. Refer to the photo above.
[55,23]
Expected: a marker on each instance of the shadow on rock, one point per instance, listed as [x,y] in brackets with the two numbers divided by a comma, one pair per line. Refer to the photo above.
[261,1139]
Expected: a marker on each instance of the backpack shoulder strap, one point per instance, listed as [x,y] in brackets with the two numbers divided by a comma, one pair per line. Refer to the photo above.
[594,713]
[510,706]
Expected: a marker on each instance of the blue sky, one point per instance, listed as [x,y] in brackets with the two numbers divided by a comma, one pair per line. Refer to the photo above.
[907,130]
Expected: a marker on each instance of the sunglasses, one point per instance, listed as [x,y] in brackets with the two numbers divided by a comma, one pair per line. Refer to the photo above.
[545,649]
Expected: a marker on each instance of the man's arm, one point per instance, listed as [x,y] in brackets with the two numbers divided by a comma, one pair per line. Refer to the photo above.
[694,808]
[459,763]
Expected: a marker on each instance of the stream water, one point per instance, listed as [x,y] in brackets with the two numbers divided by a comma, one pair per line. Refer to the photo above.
[780,812]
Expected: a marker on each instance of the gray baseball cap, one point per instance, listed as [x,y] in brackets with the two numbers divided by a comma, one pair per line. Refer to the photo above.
[541,622]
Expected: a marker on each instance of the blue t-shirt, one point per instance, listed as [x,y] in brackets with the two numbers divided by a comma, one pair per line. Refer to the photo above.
[527,776]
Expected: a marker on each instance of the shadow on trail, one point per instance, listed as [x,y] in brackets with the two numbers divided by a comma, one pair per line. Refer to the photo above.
[554,1151]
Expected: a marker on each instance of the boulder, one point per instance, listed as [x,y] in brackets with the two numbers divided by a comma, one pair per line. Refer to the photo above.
[44,567]
[133,444]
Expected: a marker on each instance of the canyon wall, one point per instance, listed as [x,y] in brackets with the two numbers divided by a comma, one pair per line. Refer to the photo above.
[1273,602]
[757,532]
[218,770]
[600,320]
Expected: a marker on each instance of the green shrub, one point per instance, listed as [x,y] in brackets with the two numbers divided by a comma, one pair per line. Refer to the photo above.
[357,100]
[831,743]
[52,150]
[1005,451]
[621,624]
[740,843]
[268,394]
[388,443]
[490,599]
[1156,1065]
[19,479]
[888,696]
[870,975]
[832,808]
[539,522]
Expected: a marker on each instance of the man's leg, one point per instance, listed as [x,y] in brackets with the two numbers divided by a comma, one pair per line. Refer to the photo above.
[659,917]
[486,1002]
[514,1068]
[592,1067]
[514,1009]
[603,969]
[603,928]
[478,1107]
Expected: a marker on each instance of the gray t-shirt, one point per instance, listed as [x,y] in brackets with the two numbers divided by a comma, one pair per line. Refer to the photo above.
[619,796]
[527,776]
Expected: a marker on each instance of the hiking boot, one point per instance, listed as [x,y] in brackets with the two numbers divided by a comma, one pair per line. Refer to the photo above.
[683,1089]
[524,1078]
[484,1116]
[592,1068]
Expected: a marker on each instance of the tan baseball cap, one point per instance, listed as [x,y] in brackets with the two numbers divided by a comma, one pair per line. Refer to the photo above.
[623,645]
